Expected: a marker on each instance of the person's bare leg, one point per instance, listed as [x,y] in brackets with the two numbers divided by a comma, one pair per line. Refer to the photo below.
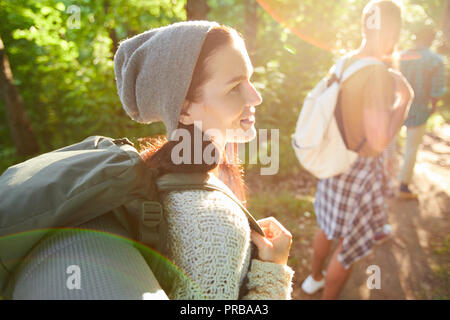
[321,250]
[336,277]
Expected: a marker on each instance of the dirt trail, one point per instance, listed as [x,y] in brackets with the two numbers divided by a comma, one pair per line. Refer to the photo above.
[415,263]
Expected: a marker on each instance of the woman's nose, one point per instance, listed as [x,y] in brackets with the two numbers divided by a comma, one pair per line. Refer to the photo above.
[254,97]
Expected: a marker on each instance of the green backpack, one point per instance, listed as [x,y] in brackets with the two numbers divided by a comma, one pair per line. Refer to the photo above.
[77,183]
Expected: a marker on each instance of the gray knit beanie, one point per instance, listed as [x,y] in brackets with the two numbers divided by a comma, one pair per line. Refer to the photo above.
[154,70]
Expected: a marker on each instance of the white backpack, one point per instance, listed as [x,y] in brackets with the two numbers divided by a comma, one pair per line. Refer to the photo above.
[317,141]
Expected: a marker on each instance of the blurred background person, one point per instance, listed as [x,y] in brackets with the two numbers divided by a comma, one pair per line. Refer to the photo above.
[425,71]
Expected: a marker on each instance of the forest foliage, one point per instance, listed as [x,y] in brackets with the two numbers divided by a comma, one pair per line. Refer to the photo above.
[61,55]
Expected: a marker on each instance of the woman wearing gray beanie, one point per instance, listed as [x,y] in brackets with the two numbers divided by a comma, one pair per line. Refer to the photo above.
[195,77]
[203,81]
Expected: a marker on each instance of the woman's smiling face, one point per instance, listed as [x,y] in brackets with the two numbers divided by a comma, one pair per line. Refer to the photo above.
[227,100]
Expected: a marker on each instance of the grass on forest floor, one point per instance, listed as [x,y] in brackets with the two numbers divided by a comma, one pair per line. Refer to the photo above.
[441,250]
[295,213]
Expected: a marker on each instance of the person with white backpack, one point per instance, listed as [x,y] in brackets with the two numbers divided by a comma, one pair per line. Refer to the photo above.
[345,124]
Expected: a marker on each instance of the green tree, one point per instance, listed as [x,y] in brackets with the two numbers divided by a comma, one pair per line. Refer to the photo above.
[21,131]
[61,54]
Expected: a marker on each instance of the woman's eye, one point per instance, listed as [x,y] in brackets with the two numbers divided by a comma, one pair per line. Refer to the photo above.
[235,89]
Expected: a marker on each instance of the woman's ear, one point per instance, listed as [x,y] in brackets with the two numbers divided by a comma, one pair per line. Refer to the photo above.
[185,117]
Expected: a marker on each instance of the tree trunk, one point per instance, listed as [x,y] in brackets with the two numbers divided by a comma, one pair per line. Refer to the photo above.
[111,31]
[115,41]
[251,25]
[446,22]
[19,125]
[197,9]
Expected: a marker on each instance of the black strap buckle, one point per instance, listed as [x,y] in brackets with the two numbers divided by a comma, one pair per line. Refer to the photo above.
[334,78]
[123,141]
[152,212]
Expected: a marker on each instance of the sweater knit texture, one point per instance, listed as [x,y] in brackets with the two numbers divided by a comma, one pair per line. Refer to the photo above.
[209,239]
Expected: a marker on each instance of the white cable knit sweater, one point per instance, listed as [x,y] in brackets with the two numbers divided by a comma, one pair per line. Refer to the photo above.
[209,239]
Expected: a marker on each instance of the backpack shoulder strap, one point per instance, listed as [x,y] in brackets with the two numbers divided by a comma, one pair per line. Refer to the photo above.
[335,72]
[341,71]
[358,65]
[203,181]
